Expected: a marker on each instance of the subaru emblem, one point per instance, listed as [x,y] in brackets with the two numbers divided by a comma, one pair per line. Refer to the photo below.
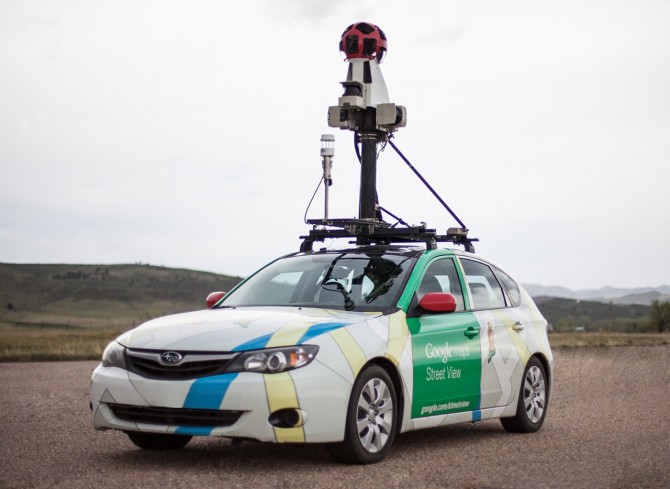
[171,357]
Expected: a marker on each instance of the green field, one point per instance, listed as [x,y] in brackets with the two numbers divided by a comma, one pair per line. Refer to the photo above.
[34,344]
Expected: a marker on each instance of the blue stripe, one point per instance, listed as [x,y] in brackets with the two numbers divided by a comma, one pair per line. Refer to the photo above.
[208,392]
[194,430]
[255,344]
[319,329]
[477,413]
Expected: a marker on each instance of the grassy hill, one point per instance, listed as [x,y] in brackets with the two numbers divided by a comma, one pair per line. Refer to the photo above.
[95,295]
[73,311]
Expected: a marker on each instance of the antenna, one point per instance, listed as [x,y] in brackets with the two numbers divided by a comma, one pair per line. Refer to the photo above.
[327,154]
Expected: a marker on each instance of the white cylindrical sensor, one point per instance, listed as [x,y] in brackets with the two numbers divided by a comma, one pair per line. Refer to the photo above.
[327,145]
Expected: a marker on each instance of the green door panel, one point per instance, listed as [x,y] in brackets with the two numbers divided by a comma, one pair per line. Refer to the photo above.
[447,363]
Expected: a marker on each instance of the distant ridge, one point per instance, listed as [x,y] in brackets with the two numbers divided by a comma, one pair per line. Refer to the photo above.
[616,295]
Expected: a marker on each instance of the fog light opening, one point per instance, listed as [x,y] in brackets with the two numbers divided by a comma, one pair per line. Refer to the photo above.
[287,418]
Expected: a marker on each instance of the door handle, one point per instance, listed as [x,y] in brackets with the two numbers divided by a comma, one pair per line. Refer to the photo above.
[471,332]
[517,326]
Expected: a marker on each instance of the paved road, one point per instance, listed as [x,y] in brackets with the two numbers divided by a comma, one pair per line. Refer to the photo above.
[607,426]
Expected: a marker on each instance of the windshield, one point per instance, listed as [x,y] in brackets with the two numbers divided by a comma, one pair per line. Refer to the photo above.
[352,281]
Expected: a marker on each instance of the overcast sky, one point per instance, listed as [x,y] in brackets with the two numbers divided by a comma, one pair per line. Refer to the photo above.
[186,133]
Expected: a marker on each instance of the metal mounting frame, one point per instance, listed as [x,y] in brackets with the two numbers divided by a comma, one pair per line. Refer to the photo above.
[379,232]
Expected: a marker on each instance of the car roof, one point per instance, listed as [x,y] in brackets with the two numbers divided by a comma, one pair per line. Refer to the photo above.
[409,251]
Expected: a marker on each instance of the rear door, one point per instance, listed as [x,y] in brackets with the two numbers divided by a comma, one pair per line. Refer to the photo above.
[501,364]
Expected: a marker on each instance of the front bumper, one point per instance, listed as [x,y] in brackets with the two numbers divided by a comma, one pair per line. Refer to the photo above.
[316,392]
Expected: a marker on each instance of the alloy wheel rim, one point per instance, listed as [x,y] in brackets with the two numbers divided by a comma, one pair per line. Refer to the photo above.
[374,419]
[534,394]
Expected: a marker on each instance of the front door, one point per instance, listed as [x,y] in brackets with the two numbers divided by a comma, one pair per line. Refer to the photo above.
[445,348]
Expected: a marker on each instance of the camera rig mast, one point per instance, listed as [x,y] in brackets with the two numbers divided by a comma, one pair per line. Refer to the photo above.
[365,109]
[364,106]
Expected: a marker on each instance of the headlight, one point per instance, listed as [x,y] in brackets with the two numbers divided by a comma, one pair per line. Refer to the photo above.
[274,360]
[113,356]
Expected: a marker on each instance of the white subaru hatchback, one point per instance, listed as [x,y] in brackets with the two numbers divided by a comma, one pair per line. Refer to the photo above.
[345,348]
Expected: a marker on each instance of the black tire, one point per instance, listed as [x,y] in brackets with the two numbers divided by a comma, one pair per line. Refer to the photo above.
[158,441]
[373,442]
[533,398]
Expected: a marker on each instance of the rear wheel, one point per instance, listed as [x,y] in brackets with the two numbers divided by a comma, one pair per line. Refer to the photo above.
[532,406]
[371,419]
[158,441]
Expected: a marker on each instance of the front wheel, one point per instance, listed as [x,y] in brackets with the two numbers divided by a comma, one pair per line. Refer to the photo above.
[158,441]
[532,406]
[371,419]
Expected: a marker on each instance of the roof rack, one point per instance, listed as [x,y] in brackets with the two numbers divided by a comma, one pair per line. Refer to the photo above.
[379,232]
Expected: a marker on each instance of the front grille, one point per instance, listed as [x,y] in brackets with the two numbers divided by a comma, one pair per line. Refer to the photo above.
[148,363]
[175,417]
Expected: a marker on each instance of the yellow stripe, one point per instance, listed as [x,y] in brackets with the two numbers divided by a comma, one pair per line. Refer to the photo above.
[281,395]
[521,348]
[352,352]
[398,334]
[290,435]
[519,344]
[541,332]
[290,333]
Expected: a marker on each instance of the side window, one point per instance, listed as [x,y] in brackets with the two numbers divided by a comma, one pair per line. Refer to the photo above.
[511,287]
[441,276]
[485,291]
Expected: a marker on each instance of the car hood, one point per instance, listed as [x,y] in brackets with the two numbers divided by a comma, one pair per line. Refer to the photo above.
[238,329]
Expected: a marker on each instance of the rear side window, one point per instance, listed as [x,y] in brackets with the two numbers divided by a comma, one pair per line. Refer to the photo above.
[485,291]
[511,286]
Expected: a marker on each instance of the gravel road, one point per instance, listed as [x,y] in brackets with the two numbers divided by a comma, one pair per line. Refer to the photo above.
[607,427]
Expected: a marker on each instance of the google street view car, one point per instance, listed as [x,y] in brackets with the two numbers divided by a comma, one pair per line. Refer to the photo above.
[345,347]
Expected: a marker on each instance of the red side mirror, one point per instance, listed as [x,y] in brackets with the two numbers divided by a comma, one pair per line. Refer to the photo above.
[213,298]
[438,302]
